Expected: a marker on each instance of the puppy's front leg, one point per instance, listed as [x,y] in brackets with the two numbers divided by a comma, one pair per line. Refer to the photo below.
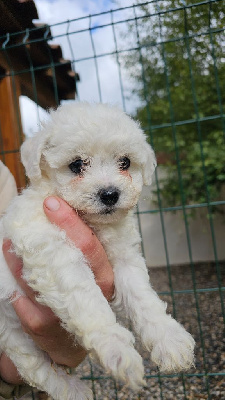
[170,344]
[59,273]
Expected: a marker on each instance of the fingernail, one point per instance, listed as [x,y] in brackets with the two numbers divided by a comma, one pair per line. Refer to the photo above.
[52,203]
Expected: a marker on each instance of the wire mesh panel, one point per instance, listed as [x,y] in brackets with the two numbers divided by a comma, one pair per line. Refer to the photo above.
[163,62]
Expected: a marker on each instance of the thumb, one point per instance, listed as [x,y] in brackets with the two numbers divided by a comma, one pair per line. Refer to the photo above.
[61,214]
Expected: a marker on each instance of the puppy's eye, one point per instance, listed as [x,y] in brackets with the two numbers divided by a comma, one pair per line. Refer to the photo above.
[77,166]
[124,163]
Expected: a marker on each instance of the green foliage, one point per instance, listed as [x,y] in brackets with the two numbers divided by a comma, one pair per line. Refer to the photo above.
[179,72]
[202,172]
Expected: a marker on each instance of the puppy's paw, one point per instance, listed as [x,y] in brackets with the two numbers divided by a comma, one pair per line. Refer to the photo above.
[71,388]
[121,360]
[125,364]
[174,351]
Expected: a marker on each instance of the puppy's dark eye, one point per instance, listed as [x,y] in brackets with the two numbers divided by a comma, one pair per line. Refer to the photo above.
[124,163]
[76,166]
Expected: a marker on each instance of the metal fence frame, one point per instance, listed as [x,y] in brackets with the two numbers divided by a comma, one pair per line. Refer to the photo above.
[150,129]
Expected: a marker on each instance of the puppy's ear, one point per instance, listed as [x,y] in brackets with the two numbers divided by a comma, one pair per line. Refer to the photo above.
[149,163]
[31,151]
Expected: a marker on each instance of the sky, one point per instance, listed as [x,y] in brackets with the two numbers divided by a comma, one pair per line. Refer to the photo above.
[56,11]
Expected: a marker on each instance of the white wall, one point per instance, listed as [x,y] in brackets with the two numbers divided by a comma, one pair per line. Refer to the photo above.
[176,239]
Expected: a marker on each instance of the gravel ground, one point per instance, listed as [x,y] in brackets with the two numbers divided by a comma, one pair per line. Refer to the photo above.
[201,314]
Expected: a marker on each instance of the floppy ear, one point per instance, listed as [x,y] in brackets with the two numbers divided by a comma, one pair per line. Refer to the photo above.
[31,151]
[149,164]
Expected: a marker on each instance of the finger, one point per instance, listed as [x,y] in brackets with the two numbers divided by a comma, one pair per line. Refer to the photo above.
[46,331]
[61,214]
[35,318]
[8,371]
[66,218]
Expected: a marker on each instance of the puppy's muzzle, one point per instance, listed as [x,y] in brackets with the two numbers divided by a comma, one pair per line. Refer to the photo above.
[109,196]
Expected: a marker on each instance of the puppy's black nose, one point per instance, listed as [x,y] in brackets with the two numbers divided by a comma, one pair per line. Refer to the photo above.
[109,196]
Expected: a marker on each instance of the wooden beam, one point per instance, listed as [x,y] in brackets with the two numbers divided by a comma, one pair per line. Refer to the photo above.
[45,77]
[41,88]
[11,128]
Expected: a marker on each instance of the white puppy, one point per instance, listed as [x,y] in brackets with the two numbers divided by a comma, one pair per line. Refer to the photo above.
[97,159]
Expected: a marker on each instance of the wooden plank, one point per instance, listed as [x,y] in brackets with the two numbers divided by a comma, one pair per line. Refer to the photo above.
[11,128]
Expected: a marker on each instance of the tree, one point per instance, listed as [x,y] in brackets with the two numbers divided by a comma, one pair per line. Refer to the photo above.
[179,73]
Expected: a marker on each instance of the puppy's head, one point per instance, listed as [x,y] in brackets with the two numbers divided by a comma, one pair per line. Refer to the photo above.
[93,156]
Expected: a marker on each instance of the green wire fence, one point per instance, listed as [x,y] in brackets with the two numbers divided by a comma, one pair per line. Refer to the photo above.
[163,62]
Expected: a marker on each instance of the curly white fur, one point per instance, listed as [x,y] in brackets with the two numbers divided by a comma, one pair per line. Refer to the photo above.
[101,136]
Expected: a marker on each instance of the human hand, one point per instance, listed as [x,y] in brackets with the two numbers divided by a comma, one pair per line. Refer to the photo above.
[39,321]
